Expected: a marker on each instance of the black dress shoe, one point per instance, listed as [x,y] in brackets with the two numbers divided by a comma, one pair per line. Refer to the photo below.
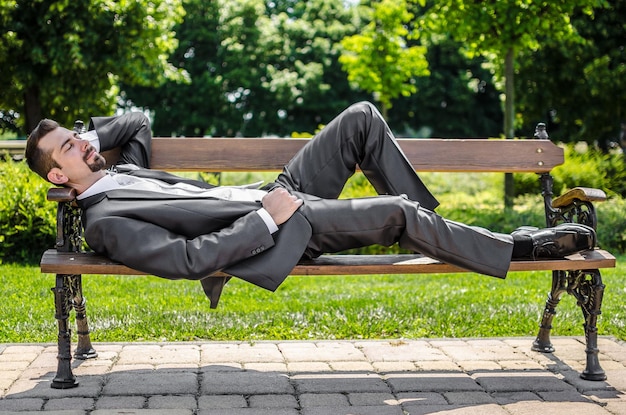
[558,242]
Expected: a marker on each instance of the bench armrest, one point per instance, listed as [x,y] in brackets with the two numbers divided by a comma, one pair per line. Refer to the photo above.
[584,194]
[61,194]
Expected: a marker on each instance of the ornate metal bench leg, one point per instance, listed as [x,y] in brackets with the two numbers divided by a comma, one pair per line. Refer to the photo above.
[589,292]
[84,349]
[64,378]
[542,343]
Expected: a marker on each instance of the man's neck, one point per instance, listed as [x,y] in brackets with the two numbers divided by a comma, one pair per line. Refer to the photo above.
[87,182]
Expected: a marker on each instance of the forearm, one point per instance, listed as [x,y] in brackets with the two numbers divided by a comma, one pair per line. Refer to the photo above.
[130,133]
[155,250]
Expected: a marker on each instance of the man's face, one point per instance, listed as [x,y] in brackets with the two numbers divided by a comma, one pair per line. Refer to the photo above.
[77,158]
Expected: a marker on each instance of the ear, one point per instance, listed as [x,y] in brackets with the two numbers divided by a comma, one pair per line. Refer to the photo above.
[56,176]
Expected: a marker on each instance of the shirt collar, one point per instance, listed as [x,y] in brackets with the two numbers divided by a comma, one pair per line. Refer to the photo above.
[104,184]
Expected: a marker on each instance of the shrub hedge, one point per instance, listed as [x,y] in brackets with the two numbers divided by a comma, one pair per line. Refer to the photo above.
[27,220]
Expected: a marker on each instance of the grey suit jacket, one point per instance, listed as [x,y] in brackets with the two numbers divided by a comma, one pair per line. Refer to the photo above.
[183,237]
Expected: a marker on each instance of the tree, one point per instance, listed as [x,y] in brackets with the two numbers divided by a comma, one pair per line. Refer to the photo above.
[576,86]
[255,69]
[458,100]
[500,31]
[379,60]
[63,59]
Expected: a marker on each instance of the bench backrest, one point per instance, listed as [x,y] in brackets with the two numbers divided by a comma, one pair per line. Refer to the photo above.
[434,155]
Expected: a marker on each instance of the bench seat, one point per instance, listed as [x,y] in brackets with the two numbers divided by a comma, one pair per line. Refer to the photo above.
[55,262]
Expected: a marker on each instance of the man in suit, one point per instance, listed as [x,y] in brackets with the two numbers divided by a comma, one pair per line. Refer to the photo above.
[176,228]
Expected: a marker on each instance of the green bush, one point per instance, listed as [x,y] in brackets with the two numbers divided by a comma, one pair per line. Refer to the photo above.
[612,224]
[27,220]
[584,166]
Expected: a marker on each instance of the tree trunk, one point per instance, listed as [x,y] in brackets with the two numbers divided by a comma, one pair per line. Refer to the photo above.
[32,106]
[509,121]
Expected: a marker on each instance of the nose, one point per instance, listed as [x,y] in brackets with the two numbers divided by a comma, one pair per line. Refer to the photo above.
[84,144]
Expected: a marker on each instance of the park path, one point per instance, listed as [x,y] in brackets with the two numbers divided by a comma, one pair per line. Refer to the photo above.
[493,376]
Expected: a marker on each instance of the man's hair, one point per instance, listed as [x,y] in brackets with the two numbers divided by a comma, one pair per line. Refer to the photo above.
[40,161]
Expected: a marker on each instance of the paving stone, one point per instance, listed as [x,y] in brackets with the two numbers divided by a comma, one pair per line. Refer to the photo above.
[563,396]
[245,383]
[141,412]
[222,367]
[372,399]
[7,377]
[339,383]
[505,398]
[266,367]
[172,402]
[494,352]
[389,367]
[167,354]
[89,386]
[249,411]
[11,365]
[353,410]
[71,412]
[488,409]
[432,382]
[520,365]
[438,366]
[555,408]
[322,351]
[420,398]
[521,381]
[616,378]
[222,401]
[22,404]
[323,399]
[396,351]
[64,404]
[479,365]
[273,401]
[120,402]
[297,367]
[352,366]
[240,352]
[616,408]
[151,382]
[472,398]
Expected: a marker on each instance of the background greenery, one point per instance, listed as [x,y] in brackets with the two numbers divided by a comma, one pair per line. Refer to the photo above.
[256,67]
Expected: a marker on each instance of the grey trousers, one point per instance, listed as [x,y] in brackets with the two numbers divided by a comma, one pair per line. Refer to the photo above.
[360,136]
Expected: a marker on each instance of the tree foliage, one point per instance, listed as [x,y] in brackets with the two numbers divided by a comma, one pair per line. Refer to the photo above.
[379,59]
[64,59]
[576,86]
[500,31]
[255,69]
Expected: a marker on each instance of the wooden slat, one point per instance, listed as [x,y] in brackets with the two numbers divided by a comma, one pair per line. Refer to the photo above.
[271,154]
[15,148]
[88,263]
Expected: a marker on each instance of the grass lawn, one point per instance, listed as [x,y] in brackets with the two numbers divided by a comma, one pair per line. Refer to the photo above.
[125,308]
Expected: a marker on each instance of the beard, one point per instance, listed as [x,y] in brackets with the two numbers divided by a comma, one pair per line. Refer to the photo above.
[97,164]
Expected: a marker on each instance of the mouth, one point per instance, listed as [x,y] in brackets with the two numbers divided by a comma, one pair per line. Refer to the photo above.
[90,154]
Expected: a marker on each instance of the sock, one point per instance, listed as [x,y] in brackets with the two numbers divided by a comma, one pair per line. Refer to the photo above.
[522,246]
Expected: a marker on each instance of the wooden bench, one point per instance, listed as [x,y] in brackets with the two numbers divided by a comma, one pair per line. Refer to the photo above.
[14,148]
[577,275]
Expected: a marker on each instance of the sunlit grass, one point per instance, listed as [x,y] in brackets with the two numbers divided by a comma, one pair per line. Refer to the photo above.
[125,308]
